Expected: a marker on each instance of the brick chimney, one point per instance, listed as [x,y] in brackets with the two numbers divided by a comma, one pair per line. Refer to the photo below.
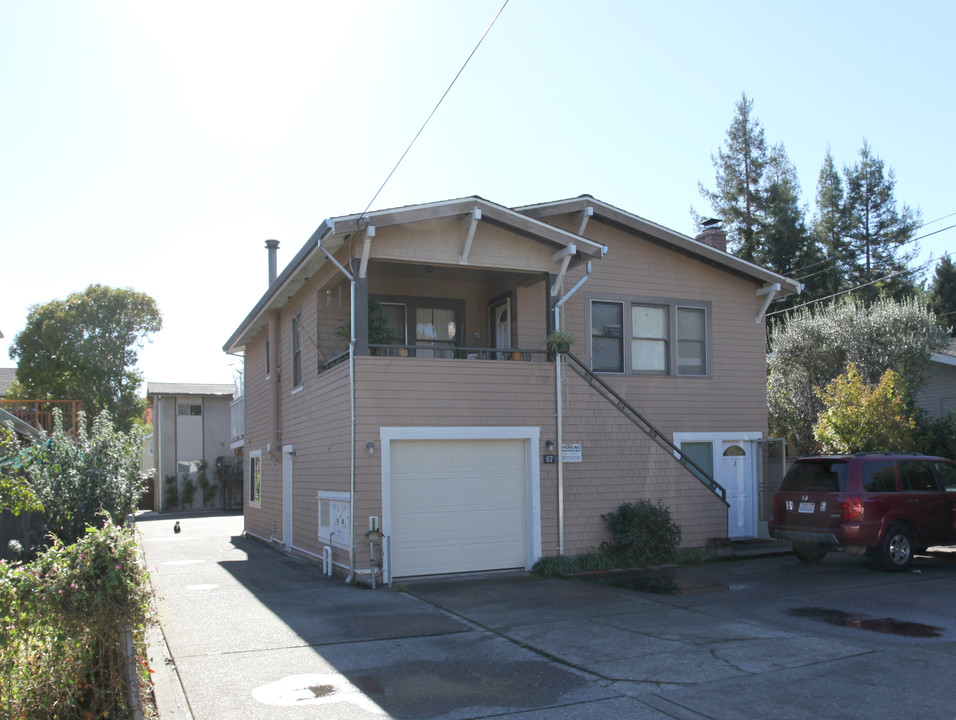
[713,235]
[273,246]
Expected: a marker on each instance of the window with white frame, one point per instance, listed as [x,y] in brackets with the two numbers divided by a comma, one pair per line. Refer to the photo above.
[665,337]
[188,408]
[296,352]
[255,478]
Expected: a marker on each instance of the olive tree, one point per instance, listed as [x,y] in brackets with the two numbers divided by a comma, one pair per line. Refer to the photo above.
[811,347]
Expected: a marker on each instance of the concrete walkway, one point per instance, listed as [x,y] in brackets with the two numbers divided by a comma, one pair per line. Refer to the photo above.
[254,633]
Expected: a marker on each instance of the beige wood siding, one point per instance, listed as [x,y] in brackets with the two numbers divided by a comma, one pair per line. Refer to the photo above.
[619,463]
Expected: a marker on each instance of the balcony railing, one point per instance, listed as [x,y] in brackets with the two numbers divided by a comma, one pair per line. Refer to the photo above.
[446,351]
[39,413]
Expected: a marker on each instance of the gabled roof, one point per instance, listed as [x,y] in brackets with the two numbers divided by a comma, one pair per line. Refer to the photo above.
[334,232]
[628,222]
[946,356]
[19,426]
[216,390]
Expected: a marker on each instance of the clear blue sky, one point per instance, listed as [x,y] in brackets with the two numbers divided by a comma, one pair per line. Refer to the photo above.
[157,145]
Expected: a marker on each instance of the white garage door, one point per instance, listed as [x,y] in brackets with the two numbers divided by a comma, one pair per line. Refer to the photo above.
[457,506]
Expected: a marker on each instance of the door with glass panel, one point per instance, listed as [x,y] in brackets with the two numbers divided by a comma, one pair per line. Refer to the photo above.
[436,328]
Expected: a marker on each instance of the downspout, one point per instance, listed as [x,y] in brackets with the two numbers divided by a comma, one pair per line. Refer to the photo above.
[558,360]
[351,279]
[158,454]
[274,385]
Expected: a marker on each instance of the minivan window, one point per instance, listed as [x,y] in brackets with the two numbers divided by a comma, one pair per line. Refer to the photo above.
[917,476]
[878,476]
[816,475]
[946,474]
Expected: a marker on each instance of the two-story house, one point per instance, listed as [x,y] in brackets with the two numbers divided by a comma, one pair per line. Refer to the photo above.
[450,427]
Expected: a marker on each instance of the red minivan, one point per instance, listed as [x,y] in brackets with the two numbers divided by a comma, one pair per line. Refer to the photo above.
[891,505]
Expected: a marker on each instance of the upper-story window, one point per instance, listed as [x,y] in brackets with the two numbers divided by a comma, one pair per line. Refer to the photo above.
[658,337]
[296,352]
[188,408]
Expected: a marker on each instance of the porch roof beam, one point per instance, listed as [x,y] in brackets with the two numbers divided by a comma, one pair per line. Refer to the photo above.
[470,224]
[366,250]
[564,256]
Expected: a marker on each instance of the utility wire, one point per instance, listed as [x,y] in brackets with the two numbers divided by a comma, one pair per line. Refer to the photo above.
[859,287]
[435,109]
[921,237]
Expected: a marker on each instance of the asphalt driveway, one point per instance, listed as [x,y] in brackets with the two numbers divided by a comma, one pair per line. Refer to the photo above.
[254,633]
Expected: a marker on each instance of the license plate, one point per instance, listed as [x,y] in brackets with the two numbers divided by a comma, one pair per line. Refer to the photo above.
[806,507]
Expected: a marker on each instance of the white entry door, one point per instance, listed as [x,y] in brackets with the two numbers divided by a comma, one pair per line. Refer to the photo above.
[736,474]
[287,456]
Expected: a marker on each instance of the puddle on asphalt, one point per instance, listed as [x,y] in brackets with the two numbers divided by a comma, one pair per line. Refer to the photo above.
[863,622]
[665,581]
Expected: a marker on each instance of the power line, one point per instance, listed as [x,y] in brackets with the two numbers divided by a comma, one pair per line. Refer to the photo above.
[435,109]
[859,287]
[921,237]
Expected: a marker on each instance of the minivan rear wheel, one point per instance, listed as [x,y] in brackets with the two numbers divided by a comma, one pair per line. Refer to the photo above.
[896,550]
[808,553]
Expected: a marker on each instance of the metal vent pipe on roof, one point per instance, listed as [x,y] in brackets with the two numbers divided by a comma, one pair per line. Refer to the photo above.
[273,246]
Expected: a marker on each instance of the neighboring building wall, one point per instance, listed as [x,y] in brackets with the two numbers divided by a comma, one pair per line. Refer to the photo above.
[938,395]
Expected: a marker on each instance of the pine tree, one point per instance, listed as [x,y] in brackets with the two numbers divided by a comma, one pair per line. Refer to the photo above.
[739,168]
[830,230]
[942,296]
[876,231]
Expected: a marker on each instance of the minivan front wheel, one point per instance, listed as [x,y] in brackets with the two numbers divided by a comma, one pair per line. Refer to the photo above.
[896,551]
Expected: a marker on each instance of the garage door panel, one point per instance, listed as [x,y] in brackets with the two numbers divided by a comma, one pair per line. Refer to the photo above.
[457,505]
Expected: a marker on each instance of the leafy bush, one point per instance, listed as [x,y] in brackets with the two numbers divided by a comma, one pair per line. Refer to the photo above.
[861,417]
[63,618]
[561,565]
[76,478]
[937,436]
[642,533]
[16,492]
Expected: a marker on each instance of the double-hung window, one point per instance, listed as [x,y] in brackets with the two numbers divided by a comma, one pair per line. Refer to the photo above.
[255,477]
[296,352]
[652,337]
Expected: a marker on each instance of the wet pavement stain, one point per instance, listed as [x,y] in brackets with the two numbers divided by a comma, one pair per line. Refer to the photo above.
[667,581]
[888,626]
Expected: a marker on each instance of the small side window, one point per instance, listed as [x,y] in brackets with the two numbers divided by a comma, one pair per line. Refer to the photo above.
[946,474]
[917,476]
[879,476]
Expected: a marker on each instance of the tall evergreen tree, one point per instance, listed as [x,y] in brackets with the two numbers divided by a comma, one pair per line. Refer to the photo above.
[942,295]
[785,244]
[739,168]
[876,231]
[830,230]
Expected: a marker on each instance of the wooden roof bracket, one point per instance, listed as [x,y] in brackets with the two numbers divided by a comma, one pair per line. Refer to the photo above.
[581,218]
[366,250]
[470,224]
[769,291]
[565,257]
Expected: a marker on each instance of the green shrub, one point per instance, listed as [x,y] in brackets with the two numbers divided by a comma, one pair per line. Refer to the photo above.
[172,492]
[78,477]
[63,618]
[937,436]
[642,533]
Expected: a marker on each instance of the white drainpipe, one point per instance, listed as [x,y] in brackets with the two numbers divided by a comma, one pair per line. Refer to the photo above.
[558,360]
[351,412]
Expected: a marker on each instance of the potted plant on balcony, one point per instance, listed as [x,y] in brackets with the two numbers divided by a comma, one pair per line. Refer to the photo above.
[560,341]
[379,331]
